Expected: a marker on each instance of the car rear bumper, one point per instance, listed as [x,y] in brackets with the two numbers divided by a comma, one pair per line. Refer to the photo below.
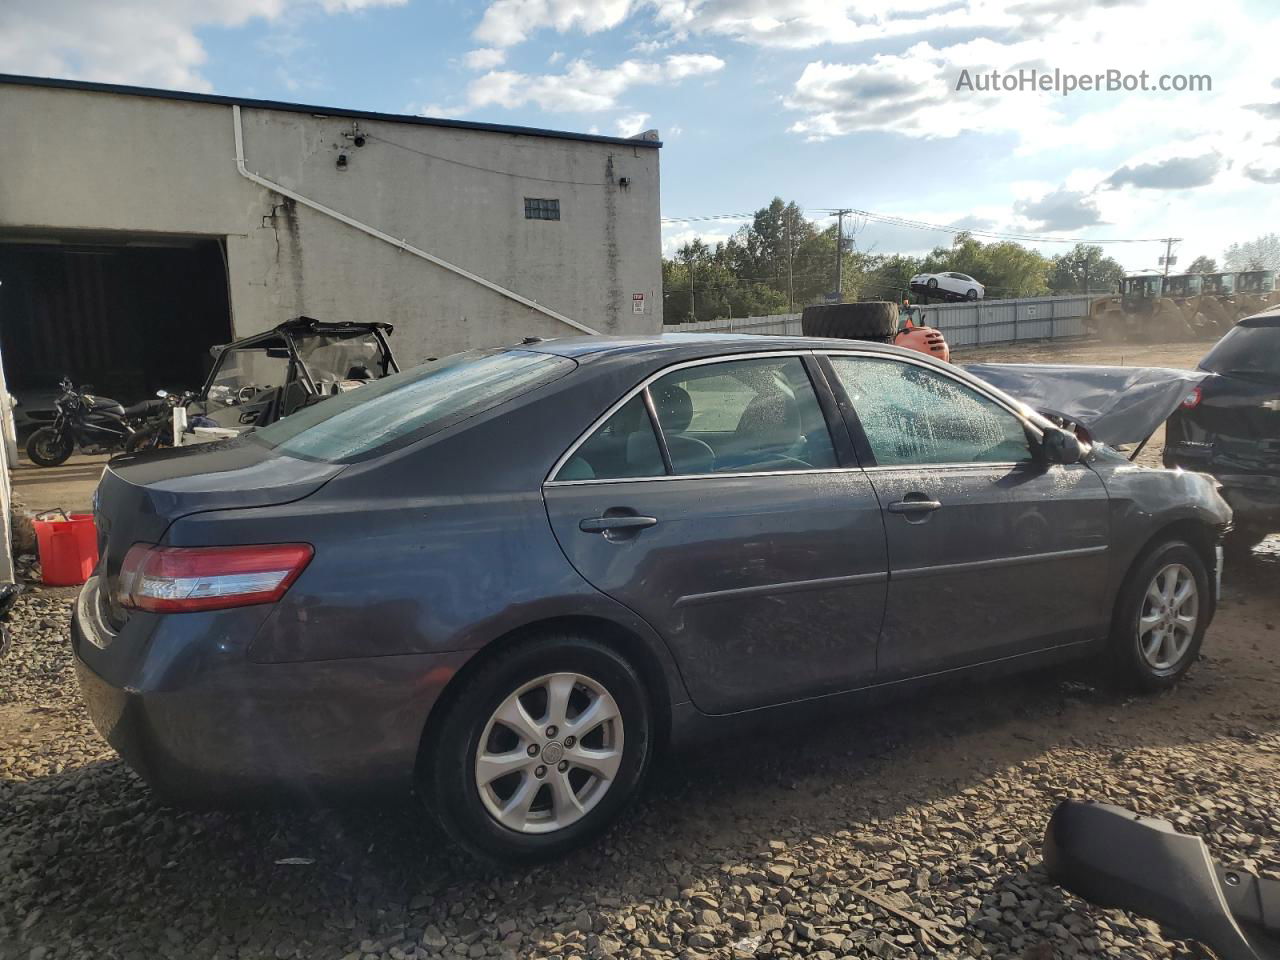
[1254,497]
[182,704]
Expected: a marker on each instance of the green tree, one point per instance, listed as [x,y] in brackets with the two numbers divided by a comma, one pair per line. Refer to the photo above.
[1005,269]
[1067,271]
[1203,264]
[1262,253]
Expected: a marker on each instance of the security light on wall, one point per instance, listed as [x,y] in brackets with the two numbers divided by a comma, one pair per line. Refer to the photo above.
[355,136]
[342,161]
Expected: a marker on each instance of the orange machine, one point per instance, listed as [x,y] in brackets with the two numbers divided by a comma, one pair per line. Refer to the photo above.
[925,339]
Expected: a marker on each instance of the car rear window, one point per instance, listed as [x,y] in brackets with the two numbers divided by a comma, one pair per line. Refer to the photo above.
[407,406]
[1246,350]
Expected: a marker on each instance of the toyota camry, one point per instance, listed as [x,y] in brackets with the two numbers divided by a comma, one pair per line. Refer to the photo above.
[510,578]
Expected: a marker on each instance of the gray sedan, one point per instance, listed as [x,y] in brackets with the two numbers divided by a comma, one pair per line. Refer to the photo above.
[509,578]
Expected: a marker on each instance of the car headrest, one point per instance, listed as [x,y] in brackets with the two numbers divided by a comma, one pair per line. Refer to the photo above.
[675,407]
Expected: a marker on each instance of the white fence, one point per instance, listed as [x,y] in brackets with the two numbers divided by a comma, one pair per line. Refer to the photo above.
[779,324]
[963,324]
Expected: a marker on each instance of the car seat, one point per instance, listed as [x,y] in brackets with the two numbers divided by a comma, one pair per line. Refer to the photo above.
[675,413]
[769,431]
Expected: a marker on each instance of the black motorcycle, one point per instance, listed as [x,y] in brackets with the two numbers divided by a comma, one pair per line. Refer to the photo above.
[86,422]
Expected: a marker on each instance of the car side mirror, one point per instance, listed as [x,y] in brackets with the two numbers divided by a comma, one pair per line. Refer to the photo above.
[1059,446]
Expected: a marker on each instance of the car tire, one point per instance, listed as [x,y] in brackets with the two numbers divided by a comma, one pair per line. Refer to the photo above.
[1152,645]
[453,772]
[971,295]
[45,450]
[868,320]
[932,283]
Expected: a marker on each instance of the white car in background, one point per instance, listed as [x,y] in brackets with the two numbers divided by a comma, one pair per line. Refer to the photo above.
[947,286]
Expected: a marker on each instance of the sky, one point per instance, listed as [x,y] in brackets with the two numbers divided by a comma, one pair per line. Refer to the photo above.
[877,105]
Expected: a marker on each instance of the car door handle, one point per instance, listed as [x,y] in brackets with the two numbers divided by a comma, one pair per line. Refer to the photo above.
[625,522]
[914,506]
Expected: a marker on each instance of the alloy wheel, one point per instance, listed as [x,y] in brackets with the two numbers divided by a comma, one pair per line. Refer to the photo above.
[549,753]
[1168,618]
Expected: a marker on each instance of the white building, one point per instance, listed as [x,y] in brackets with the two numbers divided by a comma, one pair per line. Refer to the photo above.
[138,227]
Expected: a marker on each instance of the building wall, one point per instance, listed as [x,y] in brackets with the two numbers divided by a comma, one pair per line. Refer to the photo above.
[86,160]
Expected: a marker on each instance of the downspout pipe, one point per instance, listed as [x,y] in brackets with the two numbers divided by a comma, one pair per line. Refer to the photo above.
[387,238]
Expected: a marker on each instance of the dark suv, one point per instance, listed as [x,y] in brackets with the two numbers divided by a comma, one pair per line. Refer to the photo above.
[1229,426]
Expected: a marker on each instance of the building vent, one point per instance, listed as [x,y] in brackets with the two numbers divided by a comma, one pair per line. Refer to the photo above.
[541,209]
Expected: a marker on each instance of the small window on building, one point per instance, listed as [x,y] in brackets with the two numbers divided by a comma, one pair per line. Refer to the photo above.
[541,209]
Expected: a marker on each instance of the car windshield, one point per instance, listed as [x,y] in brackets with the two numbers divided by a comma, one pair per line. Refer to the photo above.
[1246,351]
[410,405]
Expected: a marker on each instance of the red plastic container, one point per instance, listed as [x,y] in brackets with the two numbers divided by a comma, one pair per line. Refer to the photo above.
[68,549]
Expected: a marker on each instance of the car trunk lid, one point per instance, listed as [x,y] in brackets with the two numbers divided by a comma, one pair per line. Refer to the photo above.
[139,497]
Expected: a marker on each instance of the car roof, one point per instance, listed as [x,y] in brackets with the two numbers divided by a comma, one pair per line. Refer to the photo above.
[1268,318]
[693,346]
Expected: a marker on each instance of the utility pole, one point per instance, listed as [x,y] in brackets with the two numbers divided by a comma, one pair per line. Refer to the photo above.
[1168,252]
[693,308]
[840,254]
[791,285]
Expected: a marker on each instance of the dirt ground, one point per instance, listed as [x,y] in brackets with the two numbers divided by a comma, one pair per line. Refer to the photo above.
[736,850]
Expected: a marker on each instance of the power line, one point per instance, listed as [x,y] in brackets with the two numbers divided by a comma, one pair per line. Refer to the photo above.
[894,220]
[897,221]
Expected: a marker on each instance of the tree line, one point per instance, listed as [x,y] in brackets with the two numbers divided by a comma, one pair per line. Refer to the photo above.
[781,261]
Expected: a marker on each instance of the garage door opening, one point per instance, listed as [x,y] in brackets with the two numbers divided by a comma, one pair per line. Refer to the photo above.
[126,316]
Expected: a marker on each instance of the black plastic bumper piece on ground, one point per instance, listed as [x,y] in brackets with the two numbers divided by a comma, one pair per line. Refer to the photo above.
[1115,858]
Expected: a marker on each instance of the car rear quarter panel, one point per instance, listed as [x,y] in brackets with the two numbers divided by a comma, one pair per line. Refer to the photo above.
[443,546]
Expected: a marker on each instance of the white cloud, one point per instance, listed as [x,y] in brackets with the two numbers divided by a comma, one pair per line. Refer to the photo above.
[629,124]
[912,93]
[794,24]
[681,65]
[675,235]
[484,58]
[438,110]
[149,42]
[915,92]
[508,22]
[583,87]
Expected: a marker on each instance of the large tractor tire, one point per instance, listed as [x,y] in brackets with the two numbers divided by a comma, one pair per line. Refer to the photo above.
[1167,323]
[869,320]
[1219,319]
[1111,326]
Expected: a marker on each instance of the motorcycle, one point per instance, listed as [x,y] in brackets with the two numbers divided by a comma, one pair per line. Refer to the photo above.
[86,422]
[1115,858]
[156,431]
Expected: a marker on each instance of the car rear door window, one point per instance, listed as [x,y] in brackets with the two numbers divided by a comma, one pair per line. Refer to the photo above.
[621,447]
[913,415]
[742,416]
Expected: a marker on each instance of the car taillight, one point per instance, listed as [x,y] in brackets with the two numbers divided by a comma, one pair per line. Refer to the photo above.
[187,579]
[1192,399]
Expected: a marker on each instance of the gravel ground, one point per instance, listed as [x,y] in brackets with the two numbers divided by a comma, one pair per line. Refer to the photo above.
[752,848]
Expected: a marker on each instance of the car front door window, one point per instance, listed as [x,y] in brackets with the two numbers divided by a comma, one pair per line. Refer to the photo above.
[913,415]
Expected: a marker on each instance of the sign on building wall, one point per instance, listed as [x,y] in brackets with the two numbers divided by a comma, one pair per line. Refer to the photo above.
[637,303]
